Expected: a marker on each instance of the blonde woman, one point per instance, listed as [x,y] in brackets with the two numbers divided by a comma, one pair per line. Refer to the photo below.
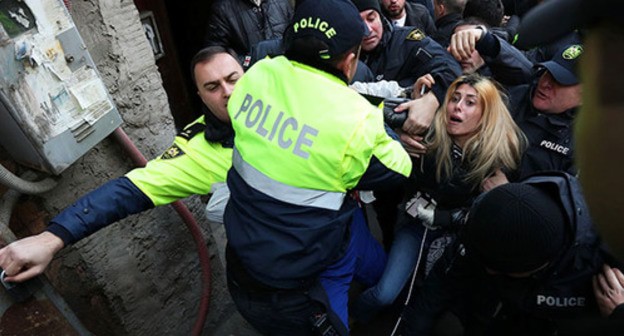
[473,140]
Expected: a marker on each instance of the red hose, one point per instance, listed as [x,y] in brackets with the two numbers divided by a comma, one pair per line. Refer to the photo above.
[204,258]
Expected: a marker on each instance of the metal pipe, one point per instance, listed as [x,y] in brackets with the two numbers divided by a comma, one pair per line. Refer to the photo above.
[204,257]
[24,186]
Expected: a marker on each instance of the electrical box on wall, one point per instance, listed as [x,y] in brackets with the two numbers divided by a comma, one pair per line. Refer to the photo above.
[54,106]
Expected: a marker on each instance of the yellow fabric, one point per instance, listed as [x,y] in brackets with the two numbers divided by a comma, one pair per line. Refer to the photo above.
[194,165]
[310,131]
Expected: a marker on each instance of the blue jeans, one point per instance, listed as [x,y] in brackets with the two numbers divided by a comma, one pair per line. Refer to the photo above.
[288,312]
[401,262]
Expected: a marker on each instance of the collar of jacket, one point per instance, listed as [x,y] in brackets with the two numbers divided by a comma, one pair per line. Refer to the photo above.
[321,67]
[218,131]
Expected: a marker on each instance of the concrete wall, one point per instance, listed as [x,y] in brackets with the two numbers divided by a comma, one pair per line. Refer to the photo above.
[140,276]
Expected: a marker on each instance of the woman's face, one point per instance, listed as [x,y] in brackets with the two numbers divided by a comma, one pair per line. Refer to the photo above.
[463,114]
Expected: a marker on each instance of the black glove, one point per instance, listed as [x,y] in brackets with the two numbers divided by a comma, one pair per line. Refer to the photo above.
[394,119]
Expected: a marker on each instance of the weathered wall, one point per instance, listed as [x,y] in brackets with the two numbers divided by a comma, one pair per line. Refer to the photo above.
[140,276]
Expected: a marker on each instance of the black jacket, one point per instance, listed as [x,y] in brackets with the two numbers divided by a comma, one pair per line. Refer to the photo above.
[503,62]
[444,28]
[418,16]
[275,47]
[563,290]
[405,53]
[551,138]
[239,24]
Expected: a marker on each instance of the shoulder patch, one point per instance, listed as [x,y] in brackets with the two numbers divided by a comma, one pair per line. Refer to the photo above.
[415,35]
[192,131]
[172,152]
[572,52]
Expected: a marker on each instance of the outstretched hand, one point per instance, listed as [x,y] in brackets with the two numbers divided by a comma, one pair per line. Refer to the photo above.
[28,257]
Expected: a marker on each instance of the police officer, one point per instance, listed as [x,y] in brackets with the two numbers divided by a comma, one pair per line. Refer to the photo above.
[403,54]
[523,265]
[303,141]
[545,111]
[199,157]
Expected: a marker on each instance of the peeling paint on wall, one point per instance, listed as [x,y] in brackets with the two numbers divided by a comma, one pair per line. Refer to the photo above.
[52,83]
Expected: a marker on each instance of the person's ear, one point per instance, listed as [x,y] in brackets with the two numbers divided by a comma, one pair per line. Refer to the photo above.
[348,65]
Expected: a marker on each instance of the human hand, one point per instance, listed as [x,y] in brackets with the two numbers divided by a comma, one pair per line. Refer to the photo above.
[425,81]
[463,43]
[608,289]
[413,144]
[28,257]
[494,180]
[420,113]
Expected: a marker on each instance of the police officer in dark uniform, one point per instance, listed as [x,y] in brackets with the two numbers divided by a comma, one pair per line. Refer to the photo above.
[523,265]
[545,111]
[403,54]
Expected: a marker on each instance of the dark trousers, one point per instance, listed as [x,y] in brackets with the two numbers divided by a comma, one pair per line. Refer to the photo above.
[290,312]
[279,313]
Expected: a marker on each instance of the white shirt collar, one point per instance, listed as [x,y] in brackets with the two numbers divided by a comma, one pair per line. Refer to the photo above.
[400,22]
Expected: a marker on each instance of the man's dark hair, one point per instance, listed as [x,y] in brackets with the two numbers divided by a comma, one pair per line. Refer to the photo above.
[471,21]
[306,50]
[453,6]
[208,54]
[491,11]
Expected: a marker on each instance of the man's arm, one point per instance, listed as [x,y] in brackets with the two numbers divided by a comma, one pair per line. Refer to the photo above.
[441,69]
[389,164]
[107,204]
[441,66]
[28,257]
[509,65]
[190,166]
